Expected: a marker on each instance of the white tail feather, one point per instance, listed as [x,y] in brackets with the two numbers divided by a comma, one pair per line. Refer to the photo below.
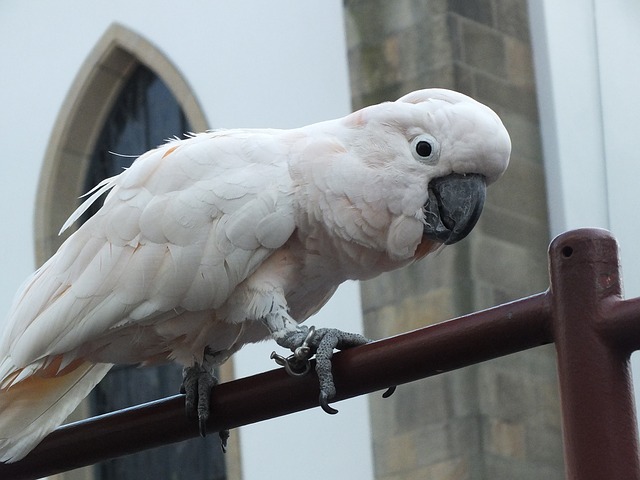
[32,408]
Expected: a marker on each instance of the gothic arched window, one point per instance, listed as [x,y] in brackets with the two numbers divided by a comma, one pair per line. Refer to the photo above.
[144,115]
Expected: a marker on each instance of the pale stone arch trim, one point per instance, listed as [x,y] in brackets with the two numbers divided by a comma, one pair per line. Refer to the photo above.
[81,118]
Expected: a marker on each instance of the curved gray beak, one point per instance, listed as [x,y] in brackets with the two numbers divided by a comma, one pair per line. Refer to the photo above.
[454,206]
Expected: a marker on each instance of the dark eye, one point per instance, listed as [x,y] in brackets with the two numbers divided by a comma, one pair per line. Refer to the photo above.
[424,148]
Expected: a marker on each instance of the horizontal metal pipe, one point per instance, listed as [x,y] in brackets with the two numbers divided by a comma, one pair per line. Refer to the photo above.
[620,321]
[404,358]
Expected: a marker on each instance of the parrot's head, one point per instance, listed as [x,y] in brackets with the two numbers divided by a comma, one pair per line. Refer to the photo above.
[449,147]
[470,146]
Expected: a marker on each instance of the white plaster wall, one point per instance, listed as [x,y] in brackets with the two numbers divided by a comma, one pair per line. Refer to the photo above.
[280,63]
[568,85]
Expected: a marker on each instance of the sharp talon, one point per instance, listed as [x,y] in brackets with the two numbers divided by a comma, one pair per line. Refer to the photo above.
[224,437]
[324,403]
[389,392]
[202,426]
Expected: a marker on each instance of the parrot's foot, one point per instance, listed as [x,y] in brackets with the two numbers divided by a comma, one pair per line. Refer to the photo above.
[306,342]
[197,383]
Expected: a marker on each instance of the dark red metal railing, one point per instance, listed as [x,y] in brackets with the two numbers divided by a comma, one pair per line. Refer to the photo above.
[583,313]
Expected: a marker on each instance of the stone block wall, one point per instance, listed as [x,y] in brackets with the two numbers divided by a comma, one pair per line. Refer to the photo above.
[500,419]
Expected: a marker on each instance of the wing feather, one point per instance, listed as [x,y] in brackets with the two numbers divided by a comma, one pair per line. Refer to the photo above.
[178,231]
[96,192]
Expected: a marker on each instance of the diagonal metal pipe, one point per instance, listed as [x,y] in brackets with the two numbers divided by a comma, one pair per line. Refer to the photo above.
[404,358]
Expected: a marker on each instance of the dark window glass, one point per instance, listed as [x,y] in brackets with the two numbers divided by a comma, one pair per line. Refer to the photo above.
[143,117]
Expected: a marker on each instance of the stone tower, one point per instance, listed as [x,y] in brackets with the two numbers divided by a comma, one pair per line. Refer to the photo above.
[499,419]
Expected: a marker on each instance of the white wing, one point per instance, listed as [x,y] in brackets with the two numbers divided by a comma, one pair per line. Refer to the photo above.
[178,232]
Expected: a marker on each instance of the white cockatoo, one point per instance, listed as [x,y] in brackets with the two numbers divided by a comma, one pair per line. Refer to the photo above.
[233,236]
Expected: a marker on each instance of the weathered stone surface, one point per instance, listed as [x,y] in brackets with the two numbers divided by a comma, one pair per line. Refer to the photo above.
[500,419]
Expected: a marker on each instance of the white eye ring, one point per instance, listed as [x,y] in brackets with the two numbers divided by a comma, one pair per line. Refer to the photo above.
[425,149]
